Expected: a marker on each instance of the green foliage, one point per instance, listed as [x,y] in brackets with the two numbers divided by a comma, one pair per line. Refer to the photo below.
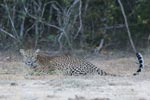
[102,19]
[51,37]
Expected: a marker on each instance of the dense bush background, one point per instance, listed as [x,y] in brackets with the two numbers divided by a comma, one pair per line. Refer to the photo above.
[73,24]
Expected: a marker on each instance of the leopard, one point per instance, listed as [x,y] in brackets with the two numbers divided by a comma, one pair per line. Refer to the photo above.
[64,63]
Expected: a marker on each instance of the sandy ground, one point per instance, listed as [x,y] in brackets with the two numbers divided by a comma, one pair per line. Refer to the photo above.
[15,86]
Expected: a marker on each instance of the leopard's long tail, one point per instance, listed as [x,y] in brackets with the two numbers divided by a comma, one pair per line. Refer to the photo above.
[140,62]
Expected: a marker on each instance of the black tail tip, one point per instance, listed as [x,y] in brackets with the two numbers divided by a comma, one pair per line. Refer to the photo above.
[135,74]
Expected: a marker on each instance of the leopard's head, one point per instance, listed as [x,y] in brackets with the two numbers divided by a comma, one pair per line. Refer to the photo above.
[30,57]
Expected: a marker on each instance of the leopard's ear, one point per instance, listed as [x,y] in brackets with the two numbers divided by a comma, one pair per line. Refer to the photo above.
[37,51]
[22,51]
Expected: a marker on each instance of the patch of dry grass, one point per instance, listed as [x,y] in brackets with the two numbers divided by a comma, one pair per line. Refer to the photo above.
[14,86]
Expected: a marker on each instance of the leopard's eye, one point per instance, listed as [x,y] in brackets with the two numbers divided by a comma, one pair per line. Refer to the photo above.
[32,57]
[26,56]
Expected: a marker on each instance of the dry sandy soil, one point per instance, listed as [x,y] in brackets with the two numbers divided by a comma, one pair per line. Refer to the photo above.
[15,86]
